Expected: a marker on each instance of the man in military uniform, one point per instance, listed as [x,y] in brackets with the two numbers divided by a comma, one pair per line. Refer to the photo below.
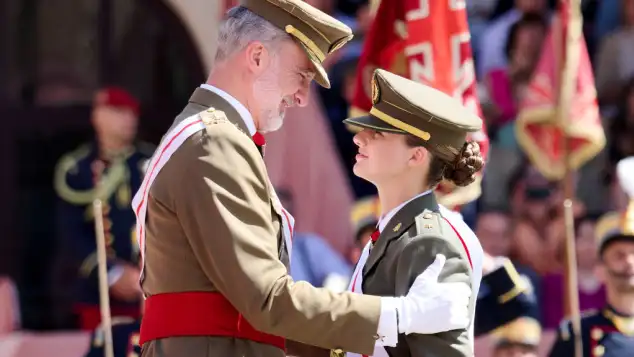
[610,331]
[215,240]
[110,168]
[503,297]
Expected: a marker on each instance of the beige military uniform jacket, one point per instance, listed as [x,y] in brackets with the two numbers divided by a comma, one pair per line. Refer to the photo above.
[407,245]
[213,225]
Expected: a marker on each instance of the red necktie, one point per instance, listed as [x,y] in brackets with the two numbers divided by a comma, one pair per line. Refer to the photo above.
[258,139]
[375,236]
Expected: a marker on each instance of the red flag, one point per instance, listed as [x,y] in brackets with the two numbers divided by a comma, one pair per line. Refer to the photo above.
[540,129]
[383,47]
[426,41]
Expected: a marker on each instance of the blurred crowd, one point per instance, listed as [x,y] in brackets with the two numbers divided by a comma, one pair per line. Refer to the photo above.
[519,214]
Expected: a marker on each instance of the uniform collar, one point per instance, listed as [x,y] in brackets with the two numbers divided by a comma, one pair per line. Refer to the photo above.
[386,219]
[239,107]
[624,323]
[396,223]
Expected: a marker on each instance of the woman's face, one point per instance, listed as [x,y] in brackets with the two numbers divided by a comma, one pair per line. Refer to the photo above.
[384,156]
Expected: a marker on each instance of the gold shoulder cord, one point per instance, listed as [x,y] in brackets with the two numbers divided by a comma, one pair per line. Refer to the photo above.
[110,182]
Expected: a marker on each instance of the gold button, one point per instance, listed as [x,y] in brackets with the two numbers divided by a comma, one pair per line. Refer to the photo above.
[596,333]
[598,351]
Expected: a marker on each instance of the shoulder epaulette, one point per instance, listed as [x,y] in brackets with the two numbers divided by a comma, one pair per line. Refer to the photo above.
[428,224]
[213,116]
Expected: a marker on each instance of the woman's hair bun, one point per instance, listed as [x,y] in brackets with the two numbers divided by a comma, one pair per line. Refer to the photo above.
[468,163]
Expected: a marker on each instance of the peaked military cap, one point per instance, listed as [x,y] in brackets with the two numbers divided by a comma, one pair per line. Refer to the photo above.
[619,225]
[318,33]
[614,226]
[521,331]
[400,105]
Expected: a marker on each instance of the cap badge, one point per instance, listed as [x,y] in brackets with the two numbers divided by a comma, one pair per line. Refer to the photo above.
[375,91]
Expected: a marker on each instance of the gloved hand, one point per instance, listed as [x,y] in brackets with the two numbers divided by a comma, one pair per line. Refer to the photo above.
[432,307]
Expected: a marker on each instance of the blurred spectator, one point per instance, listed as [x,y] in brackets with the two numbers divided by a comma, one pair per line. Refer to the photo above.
[478,14]
[494,38]
[531,215]
[591,292]
[314,260]
[519,338]
[506,86]
[364,219]
[494,228]
[621,127]
[614,66]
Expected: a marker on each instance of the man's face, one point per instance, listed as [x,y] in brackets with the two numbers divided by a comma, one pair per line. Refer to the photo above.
[115,123]
[586,245]
[617,266]
[283,84]
[529,41]
[493,230]
[382,156]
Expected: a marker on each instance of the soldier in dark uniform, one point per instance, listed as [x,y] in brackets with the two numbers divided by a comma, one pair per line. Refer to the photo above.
[111,168]
[610,331]
[504,295]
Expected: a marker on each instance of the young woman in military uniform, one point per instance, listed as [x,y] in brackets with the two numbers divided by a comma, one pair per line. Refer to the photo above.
[413,138]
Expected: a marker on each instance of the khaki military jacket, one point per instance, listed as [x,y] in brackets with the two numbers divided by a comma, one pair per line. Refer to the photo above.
[212,225]
[408,245]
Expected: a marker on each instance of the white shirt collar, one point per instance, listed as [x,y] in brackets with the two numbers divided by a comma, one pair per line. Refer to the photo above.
[386,219]
[239,107]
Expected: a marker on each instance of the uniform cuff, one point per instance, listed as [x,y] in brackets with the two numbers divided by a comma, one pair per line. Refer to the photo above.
[387,334]
[504,282]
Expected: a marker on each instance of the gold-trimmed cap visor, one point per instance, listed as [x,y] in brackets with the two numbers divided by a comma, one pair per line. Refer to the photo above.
[321,76]
[318,33]
[373,123]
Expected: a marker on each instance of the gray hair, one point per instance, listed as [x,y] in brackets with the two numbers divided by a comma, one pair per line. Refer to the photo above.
[241,27]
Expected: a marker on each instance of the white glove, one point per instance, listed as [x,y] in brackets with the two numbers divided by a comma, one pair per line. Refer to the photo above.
[432,307]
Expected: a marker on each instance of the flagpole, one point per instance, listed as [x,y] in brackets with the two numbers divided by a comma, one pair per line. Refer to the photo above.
[569,62]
